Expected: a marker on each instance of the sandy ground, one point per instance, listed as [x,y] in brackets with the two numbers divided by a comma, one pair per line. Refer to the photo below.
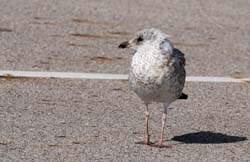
[88,120]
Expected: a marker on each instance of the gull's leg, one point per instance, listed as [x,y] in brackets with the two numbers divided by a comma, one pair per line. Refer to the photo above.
[163,121]
[147,136]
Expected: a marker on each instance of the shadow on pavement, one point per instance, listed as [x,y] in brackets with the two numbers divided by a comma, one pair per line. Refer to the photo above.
[207,137]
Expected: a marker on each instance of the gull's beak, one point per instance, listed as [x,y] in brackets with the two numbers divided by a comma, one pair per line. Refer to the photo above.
[124,45]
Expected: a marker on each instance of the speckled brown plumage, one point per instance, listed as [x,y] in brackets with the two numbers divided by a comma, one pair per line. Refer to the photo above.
[157,72]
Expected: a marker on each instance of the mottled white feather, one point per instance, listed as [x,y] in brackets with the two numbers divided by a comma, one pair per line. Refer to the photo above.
[157,73]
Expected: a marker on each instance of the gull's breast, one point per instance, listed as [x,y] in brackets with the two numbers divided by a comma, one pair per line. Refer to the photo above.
[153,81]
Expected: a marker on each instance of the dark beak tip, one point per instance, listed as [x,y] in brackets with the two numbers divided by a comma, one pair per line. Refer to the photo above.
[123,45]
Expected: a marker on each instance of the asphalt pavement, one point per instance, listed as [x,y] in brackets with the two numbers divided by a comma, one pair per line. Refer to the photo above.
[98,120]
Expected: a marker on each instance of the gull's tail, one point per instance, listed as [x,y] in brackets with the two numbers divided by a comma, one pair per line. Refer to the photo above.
[183,96]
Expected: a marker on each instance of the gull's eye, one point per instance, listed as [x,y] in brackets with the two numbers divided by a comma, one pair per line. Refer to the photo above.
[139,39]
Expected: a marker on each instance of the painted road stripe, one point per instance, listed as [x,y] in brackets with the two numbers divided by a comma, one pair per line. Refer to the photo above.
[74,75]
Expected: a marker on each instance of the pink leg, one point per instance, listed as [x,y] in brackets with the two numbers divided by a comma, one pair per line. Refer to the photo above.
[163,121]
[147,136]
[160,142]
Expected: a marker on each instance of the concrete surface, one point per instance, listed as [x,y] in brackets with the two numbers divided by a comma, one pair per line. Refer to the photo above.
[89,120]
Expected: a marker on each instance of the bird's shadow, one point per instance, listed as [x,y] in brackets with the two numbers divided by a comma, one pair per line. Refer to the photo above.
[207,137]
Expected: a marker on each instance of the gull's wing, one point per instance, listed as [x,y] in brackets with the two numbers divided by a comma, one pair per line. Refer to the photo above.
[180,56]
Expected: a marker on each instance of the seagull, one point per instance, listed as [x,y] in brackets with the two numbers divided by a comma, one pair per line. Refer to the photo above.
[157,73]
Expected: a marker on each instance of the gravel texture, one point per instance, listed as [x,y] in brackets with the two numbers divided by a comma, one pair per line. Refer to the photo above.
[88,120]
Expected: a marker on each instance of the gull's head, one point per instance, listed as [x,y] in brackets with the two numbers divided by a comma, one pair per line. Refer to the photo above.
[152,37]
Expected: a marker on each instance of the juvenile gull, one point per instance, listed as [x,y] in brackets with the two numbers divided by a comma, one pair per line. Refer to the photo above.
[157,72]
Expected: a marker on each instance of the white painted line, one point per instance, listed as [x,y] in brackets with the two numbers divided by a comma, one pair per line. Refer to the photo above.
[70,75]
[216,79]
[74,75]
